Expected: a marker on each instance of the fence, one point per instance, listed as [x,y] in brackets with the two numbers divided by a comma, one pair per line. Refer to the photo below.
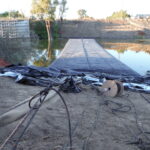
[14,29]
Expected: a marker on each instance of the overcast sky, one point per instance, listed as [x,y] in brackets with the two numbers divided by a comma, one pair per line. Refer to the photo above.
[95,8]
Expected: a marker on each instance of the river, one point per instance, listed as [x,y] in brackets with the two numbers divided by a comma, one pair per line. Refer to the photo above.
[135,53]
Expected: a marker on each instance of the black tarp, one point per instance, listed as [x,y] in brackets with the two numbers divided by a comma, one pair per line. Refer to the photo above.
[43,76]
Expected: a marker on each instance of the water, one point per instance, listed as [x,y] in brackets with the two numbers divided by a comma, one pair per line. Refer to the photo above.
[135,54]
[30,52]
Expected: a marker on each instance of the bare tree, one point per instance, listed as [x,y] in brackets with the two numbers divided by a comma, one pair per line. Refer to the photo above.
[62,9]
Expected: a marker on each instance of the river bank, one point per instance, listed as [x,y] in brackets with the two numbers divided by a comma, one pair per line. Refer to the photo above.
[105,29]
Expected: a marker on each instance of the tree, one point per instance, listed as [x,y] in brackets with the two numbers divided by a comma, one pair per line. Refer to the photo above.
[45,9]
[82,13]
[16,14]
[12,14]
[62,9]
[4,14]
[122,14]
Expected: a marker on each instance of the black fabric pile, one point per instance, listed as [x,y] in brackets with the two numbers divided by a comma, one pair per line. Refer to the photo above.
[32,75]
[43,76]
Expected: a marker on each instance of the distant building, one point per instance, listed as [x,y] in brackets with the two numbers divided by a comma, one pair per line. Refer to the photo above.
[142,16]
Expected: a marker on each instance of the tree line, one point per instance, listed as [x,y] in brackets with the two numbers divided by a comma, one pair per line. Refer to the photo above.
[12,14]
[47,9]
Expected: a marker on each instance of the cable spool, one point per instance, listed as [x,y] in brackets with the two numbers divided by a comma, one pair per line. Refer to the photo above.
[120,87]
[112,88]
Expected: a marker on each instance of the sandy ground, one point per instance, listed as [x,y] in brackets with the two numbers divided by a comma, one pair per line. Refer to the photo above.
[95,126]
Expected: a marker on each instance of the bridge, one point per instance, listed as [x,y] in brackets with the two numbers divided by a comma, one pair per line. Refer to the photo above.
[88,55]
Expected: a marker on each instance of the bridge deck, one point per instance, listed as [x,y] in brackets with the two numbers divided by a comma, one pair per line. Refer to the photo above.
[88,55]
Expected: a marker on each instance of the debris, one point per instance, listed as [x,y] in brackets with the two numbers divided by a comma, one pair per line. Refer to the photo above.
[70,85]
[44,76]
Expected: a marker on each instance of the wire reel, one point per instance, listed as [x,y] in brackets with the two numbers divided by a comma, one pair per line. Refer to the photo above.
[112,88]
[120,87]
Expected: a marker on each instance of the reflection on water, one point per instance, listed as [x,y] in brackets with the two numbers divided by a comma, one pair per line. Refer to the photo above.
[45,53]
[28,52]
[15,51]
[135,54]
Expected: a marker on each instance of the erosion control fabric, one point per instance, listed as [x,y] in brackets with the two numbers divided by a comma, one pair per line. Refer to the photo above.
[44,76]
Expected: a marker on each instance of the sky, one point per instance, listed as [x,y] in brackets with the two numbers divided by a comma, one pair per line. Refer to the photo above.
[95,8]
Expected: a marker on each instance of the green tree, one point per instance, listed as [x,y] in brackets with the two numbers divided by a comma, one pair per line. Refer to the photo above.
[12,14]
[4,14]
[122,14]
[45,9]
[16,14]
[82,13]
[62,9]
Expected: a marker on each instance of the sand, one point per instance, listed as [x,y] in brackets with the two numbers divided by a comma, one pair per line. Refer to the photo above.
[95,126]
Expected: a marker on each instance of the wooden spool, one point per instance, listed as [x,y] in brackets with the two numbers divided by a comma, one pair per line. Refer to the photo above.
[112,88]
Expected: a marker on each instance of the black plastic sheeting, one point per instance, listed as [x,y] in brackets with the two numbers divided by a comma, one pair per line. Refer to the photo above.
[32,75]
[43,76]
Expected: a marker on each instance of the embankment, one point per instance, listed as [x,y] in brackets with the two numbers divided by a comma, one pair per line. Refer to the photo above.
[105,29]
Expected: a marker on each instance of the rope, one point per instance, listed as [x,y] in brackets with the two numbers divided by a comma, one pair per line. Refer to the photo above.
[68,115]
[138,141]
[22,126]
